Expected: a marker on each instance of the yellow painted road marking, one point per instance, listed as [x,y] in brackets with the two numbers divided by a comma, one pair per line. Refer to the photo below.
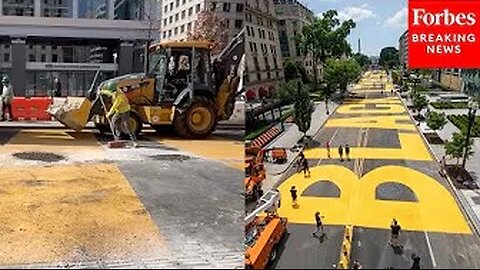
[382,122]
[229,152]
[436,210]
[379,109]
[412,148]
[52,140]
[72,213]
[386,100]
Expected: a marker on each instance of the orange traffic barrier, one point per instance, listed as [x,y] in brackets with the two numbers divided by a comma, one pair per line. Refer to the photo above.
[32,109]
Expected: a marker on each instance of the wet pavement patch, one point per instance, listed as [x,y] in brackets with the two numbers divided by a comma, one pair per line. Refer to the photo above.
[171,157]
[39,156]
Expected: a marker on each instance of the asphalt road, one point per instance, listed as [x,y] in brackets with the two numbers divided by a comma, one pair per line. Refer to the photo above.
[171,203]
[375,158]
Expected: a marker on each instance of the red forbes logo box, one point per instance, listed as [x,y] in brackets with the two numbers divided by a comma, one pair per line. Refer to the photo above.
[444,33]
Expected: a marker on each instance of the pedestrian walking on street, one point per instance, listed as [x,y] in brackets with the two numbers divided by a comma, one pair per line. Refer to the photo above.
[395,231]
[306,169]
[119,113]
[340,152]
[347,152]
[327,145]
[58,88]
[318,221]
[356,265]
[7,98]
[415,261]
[293,194]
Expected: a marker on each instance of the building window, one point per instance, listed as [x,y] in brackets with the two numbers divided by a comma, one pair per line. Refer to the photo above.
[239,7]
[43,58]
[164,34]
[177,3]
[184,1]
[259,77]
[175,31]
[18,8]
[189,27]
[183,14]
[171,6]
[165,9]
[197,8]
[226,7]
[255,63]
[190,11]
[170,33]
[6,57]
[54,58]
[238,23]
[259,21]
[165,21]
[213,6]
[269,76]
[252,30]
[259,33]
[170,20]
[31,58]
[182,28]
[251,46]
[281,22]
[176,17]
[248,30]
[227,23]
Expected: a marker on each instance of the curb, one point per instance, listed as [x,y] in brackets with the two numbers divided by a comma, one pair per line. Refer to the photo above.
[473,219]
[313,135]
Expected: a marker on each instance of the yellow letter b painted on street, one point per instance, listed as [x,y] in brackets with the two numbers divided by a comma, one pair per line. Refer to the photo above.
[435,209]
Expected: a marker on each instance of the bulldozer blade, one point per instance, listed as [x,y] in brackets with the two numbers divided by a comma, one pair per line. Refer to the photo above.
[72,115]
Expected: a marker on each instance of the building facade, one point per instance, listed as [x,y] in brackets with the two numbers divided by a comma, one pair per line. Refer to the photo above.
[263,53]
[292,16]
[41,40]
[178,17]
[403,51]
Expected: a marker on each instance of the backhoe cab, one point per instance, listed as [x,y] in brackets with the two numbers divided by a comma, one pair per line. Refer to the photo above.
[183,87]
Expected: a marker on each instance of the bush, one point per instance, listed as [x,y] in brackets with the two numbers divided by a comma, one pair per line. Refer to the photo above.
[461,122]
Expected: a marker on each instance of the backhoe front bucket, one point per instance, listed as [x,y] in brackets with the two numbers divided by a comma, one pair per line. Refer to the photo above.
[73,115]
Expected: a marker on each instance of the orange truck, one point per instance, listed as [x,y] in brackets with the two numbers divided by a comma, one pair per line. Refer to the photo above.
[264,232]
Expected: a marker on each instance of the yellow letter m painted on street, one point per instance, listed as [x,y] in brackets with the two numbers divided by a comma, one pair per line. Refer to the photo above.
[435,209]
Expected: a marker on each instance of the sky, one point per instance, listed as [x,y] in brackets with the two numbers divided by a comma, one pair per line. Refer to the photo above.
[379,22]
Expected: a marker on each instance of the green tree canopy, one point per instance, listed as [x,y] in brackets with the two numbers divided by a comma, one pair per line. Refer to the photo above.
[389,58]
[325,37]
[295,70]
[456,147]
[436,120]
[420,102]
[362,60]
[339,73]
[298,93]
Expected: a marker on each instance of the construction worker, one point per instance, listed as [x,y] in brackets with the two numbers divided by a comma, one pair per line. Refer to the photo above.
[415,261]
[7,98]
[119,113]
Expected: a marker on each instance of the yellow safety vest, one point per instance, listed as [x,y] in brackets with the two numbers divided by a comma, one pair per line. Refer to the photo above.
[120,103]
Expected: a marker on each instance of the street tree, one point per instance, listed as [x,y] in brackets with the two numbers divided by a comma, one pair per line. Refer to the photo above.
[298,93]
[295,70]
[150,18]
[325,37]
[436,120]
[389,58]
[209,27]
[339,73]
[362,60]
[456,147]
[420,102]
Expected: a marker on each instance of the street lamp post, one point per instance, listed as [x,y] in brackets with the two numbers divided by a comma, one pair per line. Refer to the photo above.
[472,109]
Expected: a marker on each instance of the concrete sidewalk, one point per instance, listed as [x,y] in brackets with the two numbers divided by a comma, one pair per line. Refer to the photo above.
[470,199]
[289,139]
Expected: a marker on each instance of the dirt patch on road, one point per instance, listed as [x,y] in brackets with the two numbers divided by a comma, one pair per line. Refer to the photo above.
[39,156]
[171,157]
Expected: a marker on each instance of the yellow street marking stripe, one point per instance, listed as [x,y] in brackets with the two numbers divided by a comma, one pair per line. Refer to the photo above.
[72,213]
[412,148]
[436,209]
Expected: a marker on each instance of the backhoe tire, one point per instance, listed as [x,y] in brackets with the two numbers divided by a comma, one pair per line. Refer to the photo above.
[196,119]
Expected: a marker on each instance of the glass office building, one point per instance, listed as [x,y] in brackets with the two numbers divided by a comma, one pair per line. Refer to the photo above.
[41,40]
